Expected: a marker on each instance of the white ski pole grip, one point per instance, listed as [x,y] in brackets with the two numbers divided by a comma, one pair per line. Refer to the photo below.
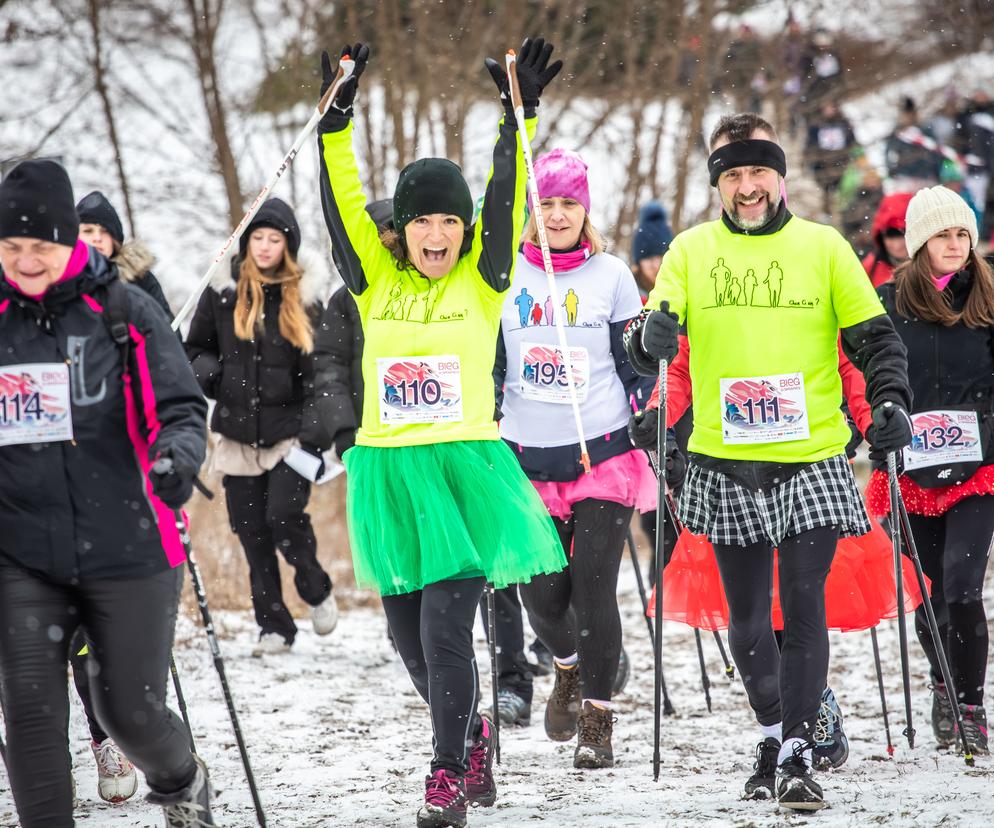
[346,66]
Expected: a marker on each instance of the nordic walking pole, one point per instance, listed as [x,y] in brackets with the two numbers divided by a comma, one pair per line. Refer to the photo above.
[880,684]
[705,681]
[492,635]
[660,565]
[729,667]
[902,626]
[3,751]
[940,648]
[345,68]
[550,273]
[164,466]
[181,702]
[667,704]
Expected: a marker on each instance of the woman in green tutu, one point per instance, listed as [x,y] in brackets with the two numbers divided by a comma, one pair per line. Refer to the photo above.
[437,504]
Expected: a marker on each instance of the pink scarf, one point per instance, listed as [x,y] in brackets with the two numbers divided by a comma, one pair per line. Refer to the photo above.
[940,282]
[561,262]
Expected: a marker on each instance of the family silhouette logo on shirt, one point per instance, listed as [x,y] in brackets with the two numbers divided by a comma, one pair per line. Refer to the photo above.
[532,312]
[756,290]
[417,306]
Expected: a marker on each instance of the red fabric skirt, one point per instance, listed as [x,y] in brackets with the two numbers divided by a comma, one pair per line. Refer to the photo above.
[859,591]
[928,502]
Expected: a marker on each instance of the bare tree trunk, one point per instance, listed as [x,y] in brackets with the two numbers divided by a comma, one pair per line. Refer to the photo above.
[204,18]
[100,82]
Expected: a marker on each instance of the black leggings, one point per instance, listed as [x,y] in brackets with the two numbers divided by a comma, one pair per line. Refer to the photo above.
[782,685]
[267,513]
[954,550]
[433,631]
[129,627]
[81,678]
[576,610]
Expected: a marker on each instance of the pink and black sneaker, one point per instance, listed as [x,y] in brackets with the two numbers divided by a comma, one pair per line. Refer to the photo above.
[445,801]
[481,790]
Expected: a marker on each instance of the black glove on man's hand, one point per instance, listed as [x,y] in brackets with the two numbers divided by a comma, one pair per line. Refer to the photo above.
[532,68]
[344,440]
[172,482]
[676,463]
[659,333]
[891,429]
[346,92]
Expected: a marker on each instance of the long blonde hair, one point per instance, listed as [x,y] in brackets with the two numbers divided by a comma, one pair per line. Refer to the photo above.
[588,233]
[295,324]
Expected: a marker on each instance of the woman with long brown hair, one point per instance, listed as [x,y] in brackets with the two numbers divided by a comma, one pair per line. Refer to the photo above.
[251,343]
[942,304]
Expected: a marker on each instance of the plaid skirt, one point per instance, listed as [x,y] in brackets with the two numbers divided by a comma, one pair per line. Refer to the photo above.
[821,494]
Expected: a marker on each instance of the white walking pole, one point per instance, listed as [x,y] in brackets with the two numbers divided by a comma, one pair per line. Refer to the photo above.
[345,68]
[550,273]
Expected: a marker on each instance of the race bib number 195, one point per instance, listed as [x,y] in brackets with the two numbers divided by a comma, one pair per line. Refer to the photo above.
[763,409]
[543,373]
[34,403]
[426,389]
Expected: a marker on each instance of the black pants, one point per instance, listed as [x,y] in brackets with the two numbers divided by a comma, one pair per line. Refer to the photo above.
[267,513]
[433,631]
[783,685]
[513,671]
[576,610]
[954,549]
[129,627]
[81,665]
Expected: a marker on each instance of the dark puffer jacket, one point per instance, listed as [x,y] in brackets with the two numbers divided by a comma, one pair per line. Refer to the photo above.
[266,390]
[83,509]
[340,341]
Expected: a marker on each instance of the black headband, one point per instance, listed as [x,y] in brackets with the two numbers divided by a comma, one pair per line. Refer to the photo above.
[751,153]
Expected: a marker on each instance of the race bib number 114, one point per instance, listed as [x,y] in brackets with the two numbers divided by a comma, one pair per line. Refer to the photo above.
[34,403]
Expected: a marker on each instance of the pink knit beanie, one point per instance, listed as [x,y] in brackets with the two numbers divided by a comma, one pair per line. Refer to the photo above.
[563,174]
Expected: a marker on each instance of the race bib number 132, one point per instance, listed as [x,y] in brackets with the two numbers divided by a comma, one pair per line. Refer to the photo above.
[34,403]
[943,437]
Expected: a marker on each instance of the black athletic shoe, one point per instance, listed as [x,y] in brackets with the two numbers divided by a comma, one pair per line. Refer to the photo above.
[975,728]
[795,787]
[512,709]
[943,718]
[621,677]
[445,801]
[189,807]
[831,745]
[763,780]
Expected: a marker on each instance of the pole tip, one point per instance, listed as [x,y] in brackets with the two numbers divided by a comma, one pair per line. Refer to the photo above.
[585,460]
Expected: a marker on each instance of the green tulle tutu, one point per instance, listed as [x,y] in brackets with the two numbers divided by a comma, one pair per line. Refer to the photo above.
[423,514]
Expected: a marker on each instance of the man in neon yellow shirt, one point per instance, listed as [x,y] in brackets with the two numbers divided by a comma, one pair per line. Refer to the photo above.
[767,455]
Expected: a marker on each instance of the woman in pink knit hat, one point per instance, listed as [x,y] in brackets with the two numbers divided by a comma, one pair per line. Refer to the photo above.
[942,304]
[575,612]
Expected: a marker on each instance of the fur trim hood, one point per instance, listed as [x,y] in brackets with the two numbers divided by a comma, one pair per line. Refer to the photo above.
[133,260]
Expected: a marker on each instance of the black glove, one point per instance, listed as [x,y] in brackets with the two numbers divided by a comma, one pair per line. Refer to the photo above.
[891,430]
[659,333]
[315,452]
[642,428]
[676,463]
[172,482]
[344,440]
[346,92]
[533,70]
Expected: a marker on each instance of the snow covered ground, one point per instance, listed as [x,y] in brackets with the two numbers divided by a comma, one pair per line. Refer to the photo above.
[338,737]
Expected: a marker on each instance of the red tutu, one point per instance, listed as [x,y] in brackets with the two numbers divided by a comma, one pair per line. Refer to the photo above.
[928,502]
[859,591]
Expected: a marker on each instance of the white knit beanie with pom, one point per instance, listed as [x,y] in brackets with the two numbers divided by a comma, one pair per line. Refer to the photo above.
[934,209]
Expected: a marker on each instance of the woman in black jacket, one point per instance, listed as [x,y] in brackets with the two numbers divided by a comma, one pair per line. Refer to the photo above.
[942,304]
[87,533]
[251,343]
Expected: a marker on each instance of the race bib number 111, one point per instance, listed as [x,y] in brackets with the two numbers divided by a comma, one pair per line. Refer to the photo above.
[34,403]
[763,409]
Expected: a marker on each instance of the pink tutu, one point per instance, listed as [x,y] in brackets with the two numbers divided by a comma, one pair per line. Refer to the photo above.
[627,479]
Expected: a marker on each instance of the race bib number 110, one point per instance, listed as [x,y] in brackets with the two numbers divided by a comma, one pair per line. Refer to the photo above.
[34,403]
[426,389]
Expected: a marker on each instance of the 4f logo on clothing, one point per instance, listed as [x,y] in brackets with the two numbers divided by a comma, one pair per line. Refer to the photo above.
[753,289]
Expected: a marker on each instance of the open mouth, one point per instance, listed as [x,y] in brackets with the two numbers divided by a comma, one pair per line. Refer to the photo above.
[751,201]
[434,255]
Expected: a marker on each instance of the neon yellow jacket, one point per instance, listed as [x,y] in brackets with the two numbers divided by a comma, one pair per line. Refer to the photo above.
[407,316]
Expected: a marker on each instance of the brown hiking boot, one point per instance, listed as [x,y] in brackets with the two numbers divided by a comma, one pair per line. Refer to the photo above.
[593,747]
[564,705]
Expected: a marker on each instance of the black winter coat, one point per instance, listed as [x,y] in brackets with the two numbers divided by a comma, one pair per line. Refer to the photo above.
[341,341]
[949,367]
[267,390]
[81,509]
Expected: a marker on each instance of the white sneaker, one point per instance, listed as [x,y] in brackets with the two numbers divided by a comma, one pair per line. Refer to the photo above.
[116,777]
[324,616]
[270,644]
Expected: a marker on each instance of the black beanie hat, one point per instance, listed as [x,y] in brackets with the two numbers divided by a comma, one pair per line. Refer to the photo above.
[36,201]
[653,235]
[431,185]
[94,208]
[275,213]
